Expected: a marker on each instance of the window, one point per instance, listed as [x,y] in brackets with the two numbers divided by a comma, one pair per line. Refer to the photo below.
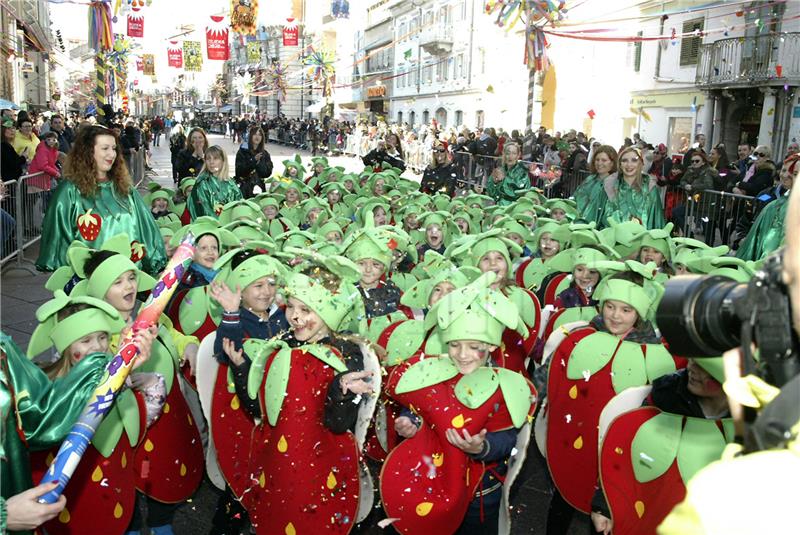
[399,117]
[448,68]
[412,117]
[690,46]
[463,10]
[441,117]
[459,72]
[440,68]
[637,58]
[679,134]
[479,119]
[426,116]
[459,118]
[412,27]
[401,33]
[427,74]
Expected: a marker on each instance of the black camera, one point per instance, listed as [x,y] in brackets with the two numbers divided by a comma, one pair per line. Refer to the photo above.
[704,316]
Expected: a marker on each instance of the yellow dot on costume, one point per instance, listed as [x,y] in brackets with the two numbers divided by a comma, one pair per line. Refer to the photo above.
[262,480]
[289,529]
[573,392]
[118,510]
[124,460]
[639,506]
[166,408]
[189,417]
[282,444]
[424,508]
[331,482]
[49,459]
[458,421]
[148,445]
[578,444]
[438,459]
[618,450]
[183,469]
[63,516]
[235,403]
[97,475]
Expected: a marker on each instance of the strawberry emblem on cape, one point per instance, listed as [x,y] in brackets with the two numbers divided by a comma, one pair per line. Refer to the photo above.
[138,251]
[218,208]
[89,225]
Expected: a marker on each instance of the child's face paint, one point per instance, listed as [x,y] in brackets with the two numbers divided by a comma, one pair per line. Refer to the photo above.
[96,342]
[306,324]
[468,355]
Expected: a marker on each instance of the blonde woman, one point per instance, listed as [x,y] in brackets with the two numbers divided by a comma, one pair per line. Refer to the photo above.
[633,194]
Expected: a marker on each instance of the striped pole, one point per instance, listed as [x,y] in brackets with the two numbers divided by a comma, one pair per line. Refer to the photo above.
[100,83]
[531,86]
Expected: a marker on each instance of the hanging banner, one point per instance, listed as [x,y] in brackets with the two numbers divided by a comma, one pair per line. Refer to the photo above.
[291,33]
[136,25]
[340,9]
[139,64]
[149,64]
[254,52]
[174,55]
[243,16]
[193,59]
[217,39]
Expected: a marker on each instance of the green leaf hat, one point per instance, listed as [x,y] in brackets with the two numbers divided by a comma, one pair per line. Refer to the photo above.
[98,317]
[206,225]
[644,299]
[660,240]
[418,295]
[108,270]
[242,209]
[249,271]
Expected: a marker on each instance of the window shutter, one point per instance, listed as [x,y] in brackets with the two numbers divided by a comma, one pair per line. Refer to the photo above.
[690,46]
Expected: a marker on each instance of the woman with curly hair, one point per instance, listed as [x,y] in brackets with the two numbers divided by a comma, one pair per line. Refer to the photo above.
[97,200]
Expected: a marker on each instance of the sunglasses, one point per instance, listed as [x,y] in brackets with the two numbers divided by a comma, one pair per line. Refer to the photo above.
[697,161]
[438,150]
[760,154]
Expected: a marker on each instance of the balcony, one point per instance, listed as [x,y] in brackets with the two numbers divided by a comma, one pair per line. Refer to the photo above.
[437,40]
[764,60]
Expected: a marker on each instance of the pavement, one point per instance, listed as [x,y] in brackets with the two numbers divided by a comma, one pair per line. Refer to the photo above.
[22,291]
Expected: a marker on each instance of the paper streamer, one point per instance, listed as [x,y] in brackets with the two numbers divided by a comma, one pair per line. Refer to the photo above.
[101,401]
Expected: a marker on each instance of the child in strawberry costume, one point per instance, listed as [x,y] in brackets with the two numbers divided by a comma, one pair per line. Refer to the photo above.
[550,238]
[214,187]
[461,422]
[314,389]
[101,494]
[169,462]
[95,201]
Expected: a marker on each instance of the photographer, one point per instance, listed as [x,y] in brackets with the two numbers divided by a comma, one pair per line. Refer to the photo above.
[387,153]
[760,482]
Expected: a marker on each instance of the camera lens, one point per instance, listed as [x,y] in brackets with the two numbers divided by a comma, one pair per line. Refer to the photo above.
[697,315]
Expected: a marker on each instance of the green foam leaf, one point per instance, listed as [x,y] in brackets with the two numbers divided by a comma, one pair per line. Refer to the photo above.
[591,354]
[404,341]
[326,355]
[275,386]
[655,446]
[474,389]
[628,368]
[517,395]
[658,361]
[425,373]
[701,444]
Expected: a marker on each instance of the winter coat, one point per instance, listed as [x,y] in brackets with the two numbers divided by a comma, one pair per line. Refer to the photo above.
[251,172]
[186,164]
[760,180]
[45,162]
[11,162]
[378,157]
[700,179]
[506,191]
[440,179]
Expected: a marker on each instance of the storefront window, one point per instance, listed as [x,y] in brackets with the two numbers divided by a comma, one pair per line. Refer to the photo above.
[680,134]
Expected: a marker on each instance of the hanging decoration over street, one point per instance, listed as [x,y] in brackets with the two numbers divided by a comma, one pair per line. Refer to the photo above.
[321,69]
[193,59]
[149,64]
[276,80]
[175,55]
[244,85]
[217,39]
[244,14]
[253,52]
[291,33]
[136,25]
[101,39]
[139,65]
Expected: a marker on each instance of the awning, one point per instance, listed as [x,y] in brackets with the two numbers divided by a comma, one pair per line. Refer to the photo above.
[212,109]
[226,108]
[316,107]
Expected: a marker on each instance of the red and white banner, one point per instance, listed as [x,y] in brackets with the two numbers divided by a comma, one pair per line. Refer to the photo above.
[174,54]
[217,39]
[291,32]
[135,25]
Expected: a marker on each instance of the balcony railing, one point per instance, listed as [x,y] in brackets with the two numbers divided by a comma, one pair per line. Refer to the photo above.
[437,39]
[749,59]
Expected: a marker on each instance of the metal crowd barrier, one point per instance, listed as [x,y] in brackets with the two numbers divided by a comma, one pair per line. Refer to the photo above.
[22,209]
[715,217]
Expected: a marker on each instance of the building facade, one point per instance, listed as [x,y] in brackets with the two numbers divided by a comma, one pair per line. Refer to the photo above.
[25,55]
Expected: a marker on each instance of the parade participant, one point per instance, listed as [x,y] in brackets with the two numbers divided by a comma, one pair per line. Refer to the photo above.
[768,230]
[253,163]
[47,415]
[632,194]
[510,178]
[191,310]
[463,427]
[160,203]
[96,200]
[214,187]
[320,429]
[585,277]
[79,328]
[333,194]
[185,189]
[621,340]
[550,238]
[438,232]
[273,225]
[293,169]
[685,419]
[190,160]
[589,195]
[169,463]
[656,246]
[245,288]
